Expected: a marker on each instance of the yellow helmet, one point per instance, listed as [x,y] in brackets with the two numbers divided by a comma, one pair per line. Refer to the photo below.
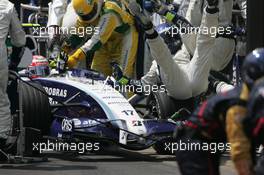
[87,10]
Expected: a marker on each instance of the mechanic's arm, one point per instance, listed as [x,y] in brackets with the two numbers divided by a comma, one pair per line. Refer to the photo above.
[188,37]
[107,24]
[57,9]
[243,7]
[18,40]
[240,144]
[151,77]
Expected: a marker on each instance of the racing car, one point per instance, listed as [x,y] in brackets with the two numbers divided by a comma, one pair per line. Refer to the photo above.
[82,105]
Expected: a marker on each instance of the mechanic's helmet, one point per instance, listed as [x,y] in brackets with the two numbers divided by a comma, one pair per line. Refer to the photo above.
[253,66]
[172,39]
[87,10]
[39,67]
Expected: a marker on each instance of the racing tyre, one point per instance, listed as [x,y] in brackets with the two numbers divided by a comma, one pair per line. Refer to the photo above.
[161,104]
[36,107]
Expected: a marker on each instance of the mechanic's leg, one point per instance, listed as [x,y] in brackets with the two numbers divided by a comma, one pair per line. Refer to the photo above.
[194,16]
[200,64]
[176,81]
[187,31]
[193,161]
[224,47]
[5,116]
[129,51]
[222,53]
[198,163]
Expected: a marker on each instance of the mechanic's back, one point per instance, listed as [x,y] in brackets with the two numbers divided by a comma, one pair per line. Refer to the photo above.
[9,22]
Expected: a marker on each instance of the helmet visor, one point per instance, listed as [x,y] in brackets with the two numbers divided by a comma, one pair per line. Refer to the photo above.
[91,15]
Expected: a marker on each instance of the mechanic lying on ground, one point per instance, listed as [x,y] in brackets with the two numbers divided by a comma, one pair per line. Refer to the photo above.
[184,79]
[220,121]
[9,24]
[224,43]
[115,40]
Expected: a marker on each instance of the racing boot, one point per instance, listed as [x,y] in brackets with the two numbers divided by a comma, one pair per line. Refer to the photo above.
[212,6]
[3,157]
[212,3]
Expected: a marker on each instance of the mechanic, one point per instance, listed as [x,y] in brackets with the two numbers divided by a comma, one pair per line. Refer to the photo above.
[61,13]
[190,78]
[220,121]
[224,44]
[62,18]
[9,23]
[254,123]
[117,38]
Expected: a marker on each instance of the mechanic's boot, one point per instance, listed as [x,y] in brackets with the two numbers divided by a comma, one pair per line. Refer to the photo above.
[212,3]
[212,6]
[138,13]
[3,157]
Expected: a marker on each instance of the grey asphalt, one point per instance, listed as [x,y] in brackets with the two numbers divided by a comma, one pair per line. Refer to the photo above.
[111,162]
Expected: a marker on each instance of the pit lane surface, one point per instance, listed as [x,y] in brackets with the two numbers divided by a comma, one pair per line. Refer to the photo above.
[111,162]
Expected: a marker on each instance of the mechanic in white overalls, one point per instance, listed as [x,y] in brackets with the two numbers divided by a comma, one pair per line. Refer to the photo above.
[224,47]
[62,14]
[184,78]
[9,24]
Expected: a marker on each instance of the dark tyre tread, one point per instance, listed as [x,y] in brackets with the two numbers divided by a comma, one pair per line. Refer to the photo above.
[36,108]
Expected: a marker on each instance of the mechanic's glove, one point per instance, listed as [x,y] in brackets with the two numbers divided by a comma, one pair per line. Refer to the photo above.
[15,57]
[143,19]
[75,58]
[118,74]
[178,20]
[61,65]
[13,66]
[161,8]
[54,53]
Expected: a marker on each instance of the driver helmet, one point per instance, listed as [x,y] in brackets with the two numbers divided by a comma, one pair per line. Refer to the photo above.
[39,67]
[87,10]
